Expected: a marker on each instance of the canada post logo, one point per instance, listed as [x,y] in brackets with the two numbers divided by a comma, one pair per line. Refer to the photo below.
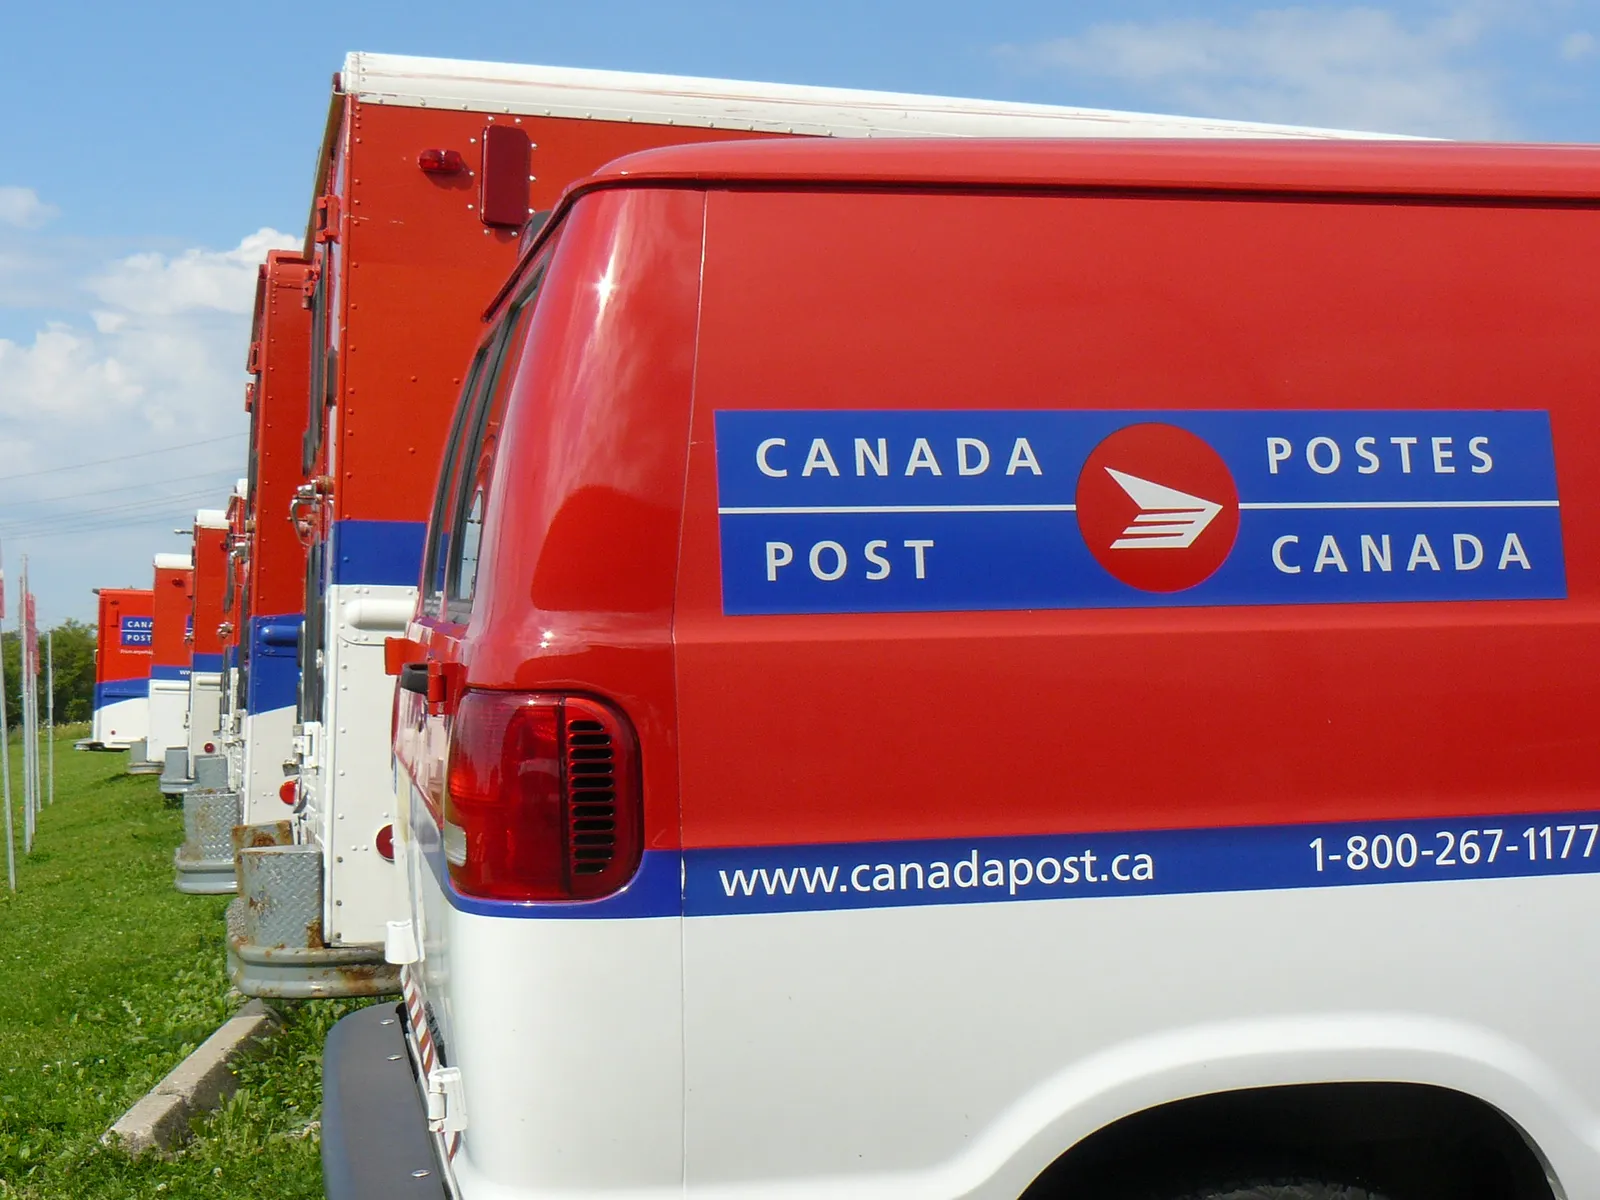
[968,511]
[1157,507]
[137,632]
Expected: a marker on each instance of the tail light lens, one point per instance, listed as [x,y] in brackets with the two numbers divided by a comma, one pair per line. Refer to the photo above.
[542,798]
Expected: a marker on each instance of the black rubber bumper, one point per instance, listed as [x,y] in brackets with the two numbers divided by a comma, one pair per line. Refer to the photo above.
[375,1139]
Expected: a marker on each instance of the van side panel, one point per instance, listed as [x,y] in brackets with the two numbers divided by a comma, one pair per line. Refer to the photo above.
[566,1020]
[829,759]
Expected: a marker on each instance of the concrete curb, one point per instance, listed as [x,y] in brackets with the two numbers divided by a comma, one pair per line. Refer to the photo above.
[202,1081]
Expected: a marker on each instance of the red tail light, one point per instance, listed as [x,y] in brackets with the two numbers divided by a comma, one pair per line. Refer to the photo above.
[542,799]
[288,791]
[441,162]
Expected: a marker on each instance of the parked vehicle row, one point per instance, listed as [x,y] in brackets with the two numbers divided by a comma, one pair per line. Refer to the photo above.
[836,643]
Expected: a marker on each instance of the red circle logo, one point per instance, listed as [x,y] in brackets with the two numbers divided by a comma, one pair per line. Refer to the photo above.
[1157,507]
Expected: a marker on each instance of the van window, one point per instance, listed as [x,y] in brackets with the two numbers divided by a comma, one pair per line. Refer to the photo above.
[479,440]
[323,366]
[312,637]
[435,556]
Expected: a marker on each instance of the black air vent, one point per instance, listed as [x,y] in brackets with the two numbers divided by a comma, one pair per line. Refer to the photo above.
[591,796]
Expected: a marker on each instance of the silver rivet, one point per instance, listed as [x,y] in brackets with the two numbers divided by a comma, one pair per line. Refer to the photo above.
[421,1174]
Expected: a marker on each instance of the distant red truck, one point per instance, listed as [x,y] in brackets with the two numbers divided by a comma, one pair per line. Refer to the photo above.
[121,714]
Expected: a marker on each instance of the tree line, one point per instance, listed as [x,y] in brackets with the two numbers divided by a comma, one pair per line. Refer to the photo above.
[74,656]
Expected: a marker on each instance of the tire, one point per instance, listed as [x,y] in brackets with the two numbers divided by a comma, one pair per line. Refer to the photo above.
[1282,1189]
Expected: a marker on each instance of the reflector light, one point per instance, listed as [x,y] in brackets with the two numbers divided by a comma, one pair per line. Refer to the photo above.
[542,799]
[385,843]
[441,162]
[210,747]
[287,791]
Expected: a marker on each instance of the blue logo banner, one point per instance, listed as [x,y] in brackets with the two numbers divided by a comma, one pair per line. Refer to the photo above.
[137,631]
[836,512]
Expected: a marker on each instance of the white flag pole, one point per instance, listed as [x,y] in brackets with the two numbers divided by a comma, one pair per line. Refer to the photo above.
[22,695]
[50,707]
[30,687]
[5,770]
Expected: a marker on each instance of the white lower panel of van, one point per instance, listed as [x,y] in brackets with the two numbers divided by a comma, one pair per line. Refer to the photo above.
[169,709]
[350,794]
[267,743]
[957,1050]
[117,724]
[568,1036]
[205,705]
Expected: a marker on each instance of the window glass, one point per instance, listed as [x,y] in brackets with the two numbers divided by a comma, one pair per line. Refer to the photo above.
[477,455]
[321,367]
[435,556]
[311,638]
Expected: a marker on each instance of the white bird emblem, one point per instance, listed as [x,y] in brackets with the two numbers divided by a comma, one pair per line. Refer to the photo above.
[1168,519]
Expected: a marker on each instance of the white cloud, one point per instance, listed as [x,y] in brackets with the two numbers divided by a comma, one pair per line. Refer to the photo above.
[196,280]
[157,362]
[1578,46]
[167,345]
[1353,68]
[21,207]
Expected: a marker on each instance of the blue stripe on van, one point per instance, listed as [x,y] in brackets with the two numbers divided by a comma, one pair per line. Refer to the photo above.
[208,662]
[274,662]
[169,673]
[989,870]
[378,552]
[114,691]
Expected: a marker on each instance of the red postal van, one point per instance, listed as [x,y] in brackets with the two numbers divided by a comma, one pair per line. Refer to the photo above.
[992,669]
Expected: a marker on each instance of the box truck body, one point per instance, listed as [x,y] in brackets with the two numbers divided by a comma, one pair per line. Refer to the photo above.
[121,714]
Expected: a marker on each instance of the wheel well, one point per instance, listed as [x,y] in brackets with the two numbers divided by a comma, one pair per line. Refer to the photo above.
[1408,1141]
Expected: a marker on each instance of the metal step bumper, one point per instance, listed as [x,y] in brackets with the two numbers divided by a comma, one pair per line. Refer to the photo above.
[275,943]
[175,777]
[204,863]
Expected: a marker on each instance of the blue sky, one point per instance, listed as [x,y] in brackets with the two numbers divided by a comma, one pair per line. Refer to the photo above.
[153,152]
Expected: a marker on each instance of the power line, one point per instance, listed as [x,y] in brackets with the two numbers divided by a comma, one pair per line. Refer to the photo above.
[176,500]
[121,458]
[101,527]
[224,473]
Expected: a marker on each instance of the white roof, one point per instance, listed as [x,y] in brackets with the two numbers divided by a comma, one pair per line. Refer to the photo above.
[211,518]
[768,107]
[174,562]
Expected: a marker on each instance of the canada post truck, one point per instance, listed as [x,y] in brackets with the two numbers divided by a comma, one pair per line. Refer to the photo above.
[428,175]
[204,862]
[211,564]
[995,669]
[173,604]
[229,718]
[121,715]
[266,564]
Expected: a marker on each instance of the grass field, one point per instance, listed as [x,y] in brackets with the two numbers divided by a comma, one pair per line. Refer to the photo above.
[108,978]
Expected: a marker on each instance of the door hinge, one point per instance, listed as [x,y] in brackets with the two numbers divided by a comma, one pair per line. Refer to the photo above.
[447,1101]
[327,213]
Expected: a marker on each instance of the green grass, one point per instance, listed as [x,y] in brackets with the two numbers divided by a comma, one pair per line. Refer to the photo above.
[108,978]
